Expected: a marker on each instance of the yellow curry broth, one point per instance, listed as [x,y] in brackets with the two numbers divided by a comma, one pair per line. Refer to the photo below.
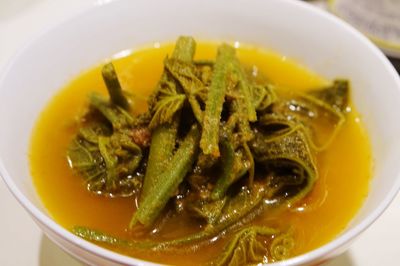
[344,168]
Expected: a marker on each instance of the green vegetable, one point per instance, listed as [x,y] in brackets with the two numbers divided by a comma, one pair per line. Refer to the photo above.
[225,148]
[246,247]
[163,140]
[282,246]
[234,167]
[210,211]
[192,86]
[113,86]
[169,103]
[103,151]
[335,96]
[180,165]
[164,135]
[239,209]
[215,99]
[245,92]
[117,116]
[325,106]
[263,96]
[288,156]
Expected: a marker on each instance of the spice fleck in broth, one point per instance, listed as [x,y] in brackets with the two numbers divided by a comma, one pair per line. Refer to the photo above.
[343,169]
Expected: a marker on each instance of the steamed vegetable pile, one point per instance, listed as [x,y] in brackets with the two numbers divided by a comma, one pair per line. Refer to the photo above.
[215,144]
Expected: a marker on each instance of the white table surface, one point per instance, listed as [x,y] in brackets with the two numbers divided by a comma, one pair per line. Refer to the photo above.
[21,241]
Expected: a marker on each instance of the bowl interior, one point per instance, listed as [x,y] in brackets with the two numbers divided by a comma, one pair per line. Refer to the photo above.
[310,37]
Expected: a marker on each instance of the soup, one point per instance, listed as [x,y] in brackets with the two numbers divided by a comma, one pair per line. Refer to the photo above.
[302,208]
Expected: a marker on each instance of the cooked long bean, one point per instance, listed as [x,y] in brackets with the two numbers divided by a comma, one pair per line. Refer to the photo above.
[113,86]
[164,136]
[169,180]
[215,100]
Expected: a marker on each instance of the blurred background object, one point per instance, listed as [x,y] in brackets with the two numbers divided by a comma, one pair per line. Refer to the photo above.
[379,20]
[396,63]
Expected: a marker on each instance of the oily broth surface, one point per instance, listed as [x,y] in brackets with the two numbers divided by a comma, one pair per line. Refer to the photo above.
[344,169]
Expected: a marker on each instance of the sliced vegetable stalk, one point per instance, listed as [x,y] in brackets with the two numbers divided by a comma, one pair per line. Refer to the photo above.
[164,135]
[113,86]
[117,116]
[162,145]
[215,100]
[234,166]
[245,92]
[169,180]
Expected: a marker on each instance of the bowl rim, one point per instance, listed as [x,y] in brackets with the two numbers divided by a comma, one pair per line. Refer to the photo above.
[313,255]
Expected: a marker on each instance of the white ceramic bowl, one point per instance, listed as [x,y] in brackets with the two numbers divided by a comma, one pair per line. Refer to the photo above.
[310,36]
